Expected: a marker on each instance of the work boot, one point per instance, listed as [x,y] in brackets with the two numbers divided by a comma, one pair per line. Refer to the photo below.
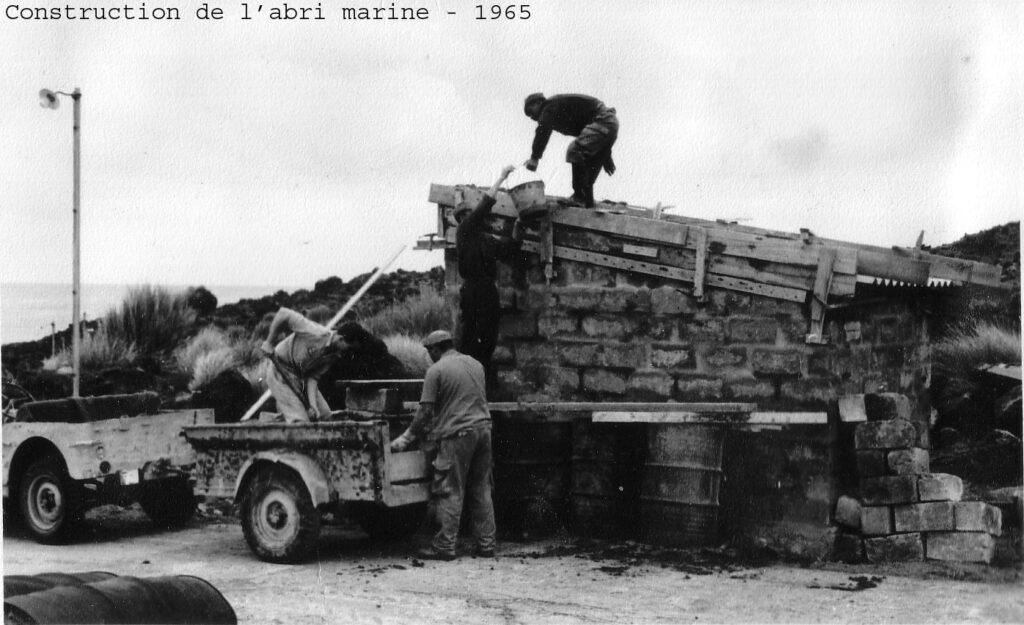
[483,553]
[433,554]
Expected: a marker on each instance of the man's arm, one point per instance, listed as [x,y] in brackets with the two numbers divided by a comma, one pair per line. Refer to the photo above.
[416,429]
[281,325]
[486,203]
[312,388]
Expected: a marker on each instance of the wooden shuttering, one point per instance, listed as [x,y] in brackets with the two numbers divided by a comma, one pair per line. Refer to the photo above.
[799,267]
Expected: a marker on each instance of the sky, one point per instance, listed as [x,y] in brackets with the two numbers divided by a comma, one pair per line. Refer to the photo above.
[270,152]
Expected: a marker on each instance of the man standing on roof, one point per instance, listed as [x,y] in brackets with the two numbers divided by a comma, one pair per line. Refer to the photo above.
[298,362]
[595,127]
[478,251]
[454,419]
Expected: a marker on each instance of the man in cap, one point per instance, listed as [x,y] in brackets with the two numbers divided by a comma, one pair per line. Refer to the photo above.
[595,127]
[455,422]
[298,362]
[478,251]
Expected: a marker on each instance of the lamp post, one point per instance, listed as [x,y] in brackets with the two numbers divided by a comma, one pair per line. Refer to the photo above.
[48,99]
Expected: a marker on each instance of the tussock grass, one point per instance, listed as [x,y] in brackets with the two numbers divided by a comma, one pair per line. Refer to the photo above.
[213,351]
[98,350]
[153,318]
[410,352]
[418,315]
[209,365]
[957,358]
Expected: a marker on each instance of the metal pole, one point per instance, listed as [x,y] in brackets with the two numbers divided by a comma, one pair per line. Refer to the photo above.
[76,264]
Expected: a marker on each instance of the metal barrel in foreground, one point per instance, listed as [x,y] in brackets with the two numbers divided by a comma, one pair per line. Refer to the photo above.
[123,599]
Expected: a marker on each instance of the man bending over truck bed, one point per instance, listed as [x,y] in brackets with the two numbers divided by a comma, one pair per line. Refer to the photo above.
[298,362]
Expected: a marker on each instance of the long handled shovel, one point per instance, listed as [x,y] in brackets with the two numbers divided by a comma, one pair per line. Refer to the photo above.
[334,320]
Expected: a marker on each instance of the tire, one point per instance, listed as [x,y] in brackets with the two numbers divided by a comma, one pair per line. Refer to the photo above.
[169,503]
[278,518]
[45,501]
[383,523]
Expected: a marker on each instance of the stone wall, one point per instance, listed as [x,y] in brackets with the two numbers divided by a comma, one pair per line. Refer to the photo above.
[599,334]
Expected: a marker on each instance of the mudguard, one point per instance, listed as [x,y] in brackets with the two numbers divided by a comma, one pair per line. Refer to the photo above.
[309,470]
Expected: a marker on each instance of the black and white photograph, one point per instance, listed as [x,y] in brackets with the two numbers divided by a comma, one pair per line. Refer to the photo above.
[456,312]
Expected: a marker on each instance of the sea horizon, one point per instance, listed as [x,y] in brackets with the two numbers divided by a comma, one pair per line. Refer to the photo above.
[30,311]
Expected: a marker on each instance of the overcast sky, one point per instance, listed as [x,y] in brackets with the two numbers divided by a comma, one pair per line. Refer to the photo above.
[261,152]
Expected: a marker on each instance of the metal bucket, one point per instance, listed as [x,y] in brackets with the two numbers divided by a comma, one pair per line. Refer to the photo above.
[680,486]
[606,469]
[15,585]
[172,599]
[529,199]
[531,475]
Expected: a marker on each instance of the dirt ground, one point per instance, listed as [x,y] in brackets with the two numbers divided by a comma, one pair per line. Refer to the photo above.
[553,581]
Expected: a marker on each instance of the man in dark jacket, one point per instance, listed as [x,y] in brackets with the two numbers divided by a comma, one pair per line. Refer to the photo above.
[595,127]
[479,250]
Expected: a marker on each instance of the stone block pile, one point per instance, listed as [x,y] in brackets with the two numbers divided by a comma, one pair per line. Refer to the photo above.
[905,512]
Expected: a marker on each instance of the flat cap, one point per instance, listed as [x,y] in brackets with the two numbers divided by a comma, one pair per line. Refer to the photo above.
[437,336]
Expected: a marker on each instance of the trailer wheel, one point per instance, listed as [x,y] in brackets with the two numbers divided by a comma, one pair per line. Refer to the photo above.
[383,523]
[169,503]
[44,500]
[278,518]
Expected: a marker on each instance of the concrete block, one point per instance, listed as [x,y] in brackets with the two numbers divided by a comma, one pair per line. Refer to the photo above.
[924,517]
[978,516]
[669,356]
[603,354]
[699,388]
[551,324]
[749,390]
[887,406]
[657,328]
[544,352]
[776,361]
[848,512]
[960,546]
[503,355]
[876,520]
[521,326]
[897,548]
[851,409]
[650,385]
[705,330]
[851,331]
[908,461]
[809,392]
[668,300]
[536,298]
[871,463]
[752,330]
[604,381]
[723,358]
[558,381]
[876,491]
[507,298]
[608,326]
[884,435]
[940,487]
[384,400]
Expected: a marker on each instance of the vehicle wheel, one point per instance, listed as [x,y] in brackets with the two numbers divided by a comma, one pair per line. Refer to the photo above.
[383,523]
[278,518]
[169,503]
[44,500]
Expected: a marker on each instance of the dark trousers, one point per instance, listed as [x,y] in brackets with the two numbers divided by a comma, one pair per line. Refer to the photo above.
[589,152]
[462,472]
[481,315]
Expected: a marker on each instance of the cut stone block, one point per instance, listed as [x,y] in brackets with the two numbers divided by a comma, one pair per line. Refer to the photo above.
[978,516]
[875,491]
[848,512]
[373,400]
[961,546]
[875,520]
[851,409]
[871,463]
[908,461]
[940,487]
[885,435]
[924,517]
[897,548]
[887,406]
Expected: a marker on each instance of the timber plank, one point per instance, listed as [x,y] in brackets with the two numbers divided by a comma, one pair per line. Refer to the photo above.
[752,418]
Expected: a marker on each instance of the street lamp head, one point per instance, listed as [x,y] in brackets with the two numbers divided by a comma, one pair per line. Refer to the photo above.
[48,99]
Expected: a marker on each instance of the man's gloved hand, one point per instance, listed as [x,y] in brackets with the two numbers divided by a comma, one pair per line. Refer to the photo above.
[531,164]
[609,166]
[402,442]
[267,349]
[313,413]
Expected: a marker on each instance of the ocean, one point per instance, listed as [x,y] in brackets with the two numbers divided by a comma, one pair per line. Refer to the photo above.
[28,309]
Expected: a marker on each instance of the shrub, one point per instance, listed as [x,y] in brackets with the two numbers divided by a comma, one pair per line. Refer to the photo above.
[410,352]
[152,318]
[98,350]
[418,315]
[201,300]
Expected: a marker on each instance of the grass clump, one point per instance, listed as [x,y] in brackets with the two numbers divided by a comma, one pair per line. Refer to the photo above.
[98,350]
[418,315]
[153,318]
[213,351]
[410,352]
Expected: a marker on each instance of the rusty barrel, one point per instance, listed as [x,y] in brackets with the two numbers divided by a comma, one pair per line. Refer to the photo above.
[607,459]
[15,585]
[680,486]
[531,475]
[124,599]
